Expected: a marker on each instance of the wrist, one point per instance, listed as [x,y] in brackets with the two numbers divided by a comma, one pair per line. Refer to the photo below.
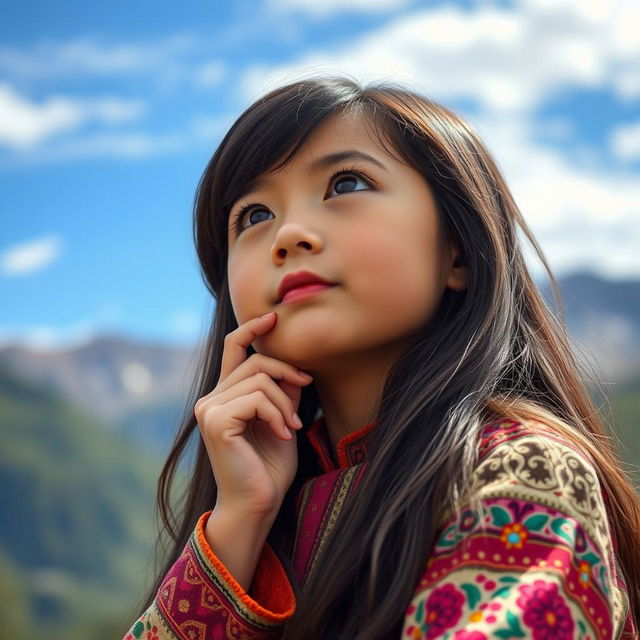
[243,518]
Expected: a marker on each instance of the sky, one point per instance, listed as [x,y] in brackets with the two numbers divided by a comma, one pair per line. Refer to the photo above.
[109,113]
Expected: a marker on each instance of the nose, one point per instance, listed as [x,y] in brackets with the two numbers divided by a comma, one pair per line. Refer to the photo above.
[292,239]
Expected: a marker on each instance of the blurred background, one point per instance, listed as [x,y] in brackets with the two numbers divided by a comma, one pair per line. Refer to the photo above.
[109,113]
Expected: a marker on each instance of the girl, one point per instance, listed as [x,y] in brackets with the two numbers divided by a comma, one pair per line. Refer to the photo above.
[442,472]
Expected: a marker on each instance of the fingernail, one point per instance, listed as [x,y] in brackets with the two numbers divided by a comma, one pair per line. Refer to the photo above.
[297,420]
[266,315]
[304,374]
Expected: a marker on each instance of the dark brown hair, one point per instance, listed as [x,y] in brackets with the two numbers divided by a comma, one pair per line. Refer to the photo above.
[494,349]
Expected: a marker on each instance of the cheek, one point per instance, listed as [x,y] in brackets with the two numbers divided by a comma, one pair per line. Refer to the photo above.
[398,268]
[243,284]
[397,258]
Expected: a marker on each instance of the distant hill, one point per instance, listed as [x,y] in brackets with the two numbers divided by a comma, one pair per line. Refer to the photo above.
[141,388]
[111,376]
[136,388]
[76,524]
[603,316]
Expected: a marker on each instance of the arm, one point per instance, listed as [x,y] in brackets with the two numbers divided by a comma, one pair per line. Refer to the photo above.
[199,598]
[530,556]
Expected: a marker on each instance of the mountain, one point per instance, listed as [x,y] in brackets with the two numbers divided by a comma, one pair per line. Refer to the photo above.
[603,318]
[111,376]
[136,388]
[141,389]
[76,524]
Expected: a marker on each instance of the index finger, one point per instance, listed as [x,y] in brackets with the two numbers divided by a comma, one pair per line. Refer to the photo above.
[237,341]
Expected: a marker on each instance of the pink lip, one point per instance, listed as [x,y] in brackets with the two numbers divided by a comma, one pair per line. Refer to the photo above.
[305,291]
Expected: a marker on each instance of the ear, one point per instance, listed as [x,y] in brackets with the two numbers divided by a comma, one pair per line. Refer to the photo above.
[457,272]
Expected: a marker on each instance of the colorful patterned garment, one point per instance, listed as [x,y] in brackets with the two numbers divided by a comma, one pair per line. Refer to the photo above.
[531,557]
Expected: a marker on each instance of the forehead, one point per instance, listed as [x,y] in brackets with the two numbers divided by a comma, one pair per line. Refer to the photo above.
[340,138]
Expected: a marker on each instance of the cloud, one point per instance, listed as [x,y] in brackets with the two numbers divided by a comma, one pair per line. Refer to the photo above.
[584,214]
[504,59]
[315,10]
[625,141]
[47,337]
[30,257]
[128,145]
[210,74]
[185,323]
[92,57]
[167,64]
[24,123]
[44,337]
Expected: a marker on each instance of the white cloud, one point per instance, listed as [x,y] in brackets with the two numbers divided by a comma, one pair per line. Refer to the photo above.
[314,9]
[185,323]
[210,127]
[505,59]
[625,141]
[91,57]
[24,123]
[129,145]
[210,74]
[166,64]
[583,214]
[47,337]
[30,257]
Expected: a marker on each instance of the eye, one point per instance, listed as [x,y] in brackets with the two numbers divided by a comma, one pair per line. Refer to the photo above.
[342,177]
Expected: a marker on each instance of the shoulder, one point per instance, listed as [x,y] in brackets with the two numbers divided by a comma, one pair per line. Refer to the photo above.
[533,482]
[528,549]
[532,462]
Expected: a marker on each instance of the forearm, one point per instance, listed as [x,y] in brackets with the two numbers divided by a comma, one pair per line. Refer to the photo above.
[238,542]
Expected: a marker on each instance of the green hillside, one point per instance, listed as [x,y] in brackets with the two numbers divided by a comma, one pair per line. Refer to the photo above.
[77,523]
[625,402]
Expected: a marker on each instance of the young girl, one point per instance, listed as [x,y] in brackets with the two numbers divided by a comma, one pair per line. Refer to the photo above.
[448,475]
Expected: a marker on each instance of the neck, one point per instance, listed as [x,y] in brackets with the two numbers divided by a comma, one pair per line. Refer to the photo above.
[350,393]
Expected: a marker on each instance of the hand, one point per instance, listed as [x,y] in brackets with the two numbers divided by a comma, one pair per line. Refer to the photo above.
[246,424]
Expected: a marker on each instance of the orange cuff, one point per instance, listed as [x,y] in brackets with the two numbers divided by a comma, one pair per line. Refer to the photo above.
[272,595]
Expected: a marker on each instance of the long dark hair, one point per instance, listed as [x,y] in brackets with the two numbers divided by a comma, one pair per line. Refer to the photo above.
[495,349]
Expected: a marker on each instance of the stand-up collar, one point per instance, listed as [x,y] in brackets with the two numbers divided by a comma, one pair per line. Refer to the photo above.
[351,450]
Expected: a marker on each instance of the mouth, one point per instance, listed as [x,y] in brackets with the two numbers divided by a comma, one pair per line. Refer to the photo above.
[305,291]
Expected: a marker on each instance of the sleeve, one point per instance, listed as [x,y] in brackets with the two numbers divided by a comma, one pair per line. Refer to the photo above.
[530,556]
[199,598]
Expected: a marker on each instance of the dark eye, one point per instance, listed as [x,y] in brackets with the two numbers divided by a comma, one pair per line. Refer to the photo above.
[348,178]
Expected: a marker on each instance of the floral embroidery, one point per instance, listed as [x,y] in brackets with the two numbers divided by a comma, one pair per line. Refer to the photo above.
[469,635]
[514,535]
[468,520]
[442,610]
[545,611]
[585,574]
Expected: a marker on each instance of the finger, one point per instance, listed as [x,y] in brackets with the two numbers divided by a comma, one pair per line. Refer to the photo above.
[237,342]
[257,363]
[293,391]
[239,410]
[262,382]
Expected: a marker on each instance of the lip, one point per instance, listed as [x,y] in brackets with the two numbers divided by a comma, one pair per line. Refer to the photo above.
[300,279]
[305,291]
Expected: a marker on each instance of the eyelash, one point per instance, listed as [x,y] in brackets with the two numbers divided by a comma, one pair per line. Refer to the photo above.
[344,171]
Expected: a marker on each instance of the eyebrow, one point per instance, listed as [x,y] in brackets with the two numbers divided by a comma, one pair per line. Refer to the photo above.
[324,162]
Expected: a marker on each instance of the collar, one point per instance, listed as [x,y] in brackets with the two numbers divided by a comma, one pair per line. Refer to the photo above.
[351,450]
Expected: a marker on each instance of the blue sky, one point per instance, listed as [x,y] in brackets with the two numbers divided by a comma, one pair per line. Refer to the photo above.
[109,113]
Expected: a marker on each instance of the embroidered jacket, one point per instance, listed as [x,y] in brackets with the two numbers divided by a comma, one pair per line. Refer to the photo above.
[530,556]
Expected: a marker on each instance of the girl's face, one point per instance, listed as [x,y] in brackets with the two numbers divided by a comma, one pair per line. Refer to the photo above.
[373,230]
